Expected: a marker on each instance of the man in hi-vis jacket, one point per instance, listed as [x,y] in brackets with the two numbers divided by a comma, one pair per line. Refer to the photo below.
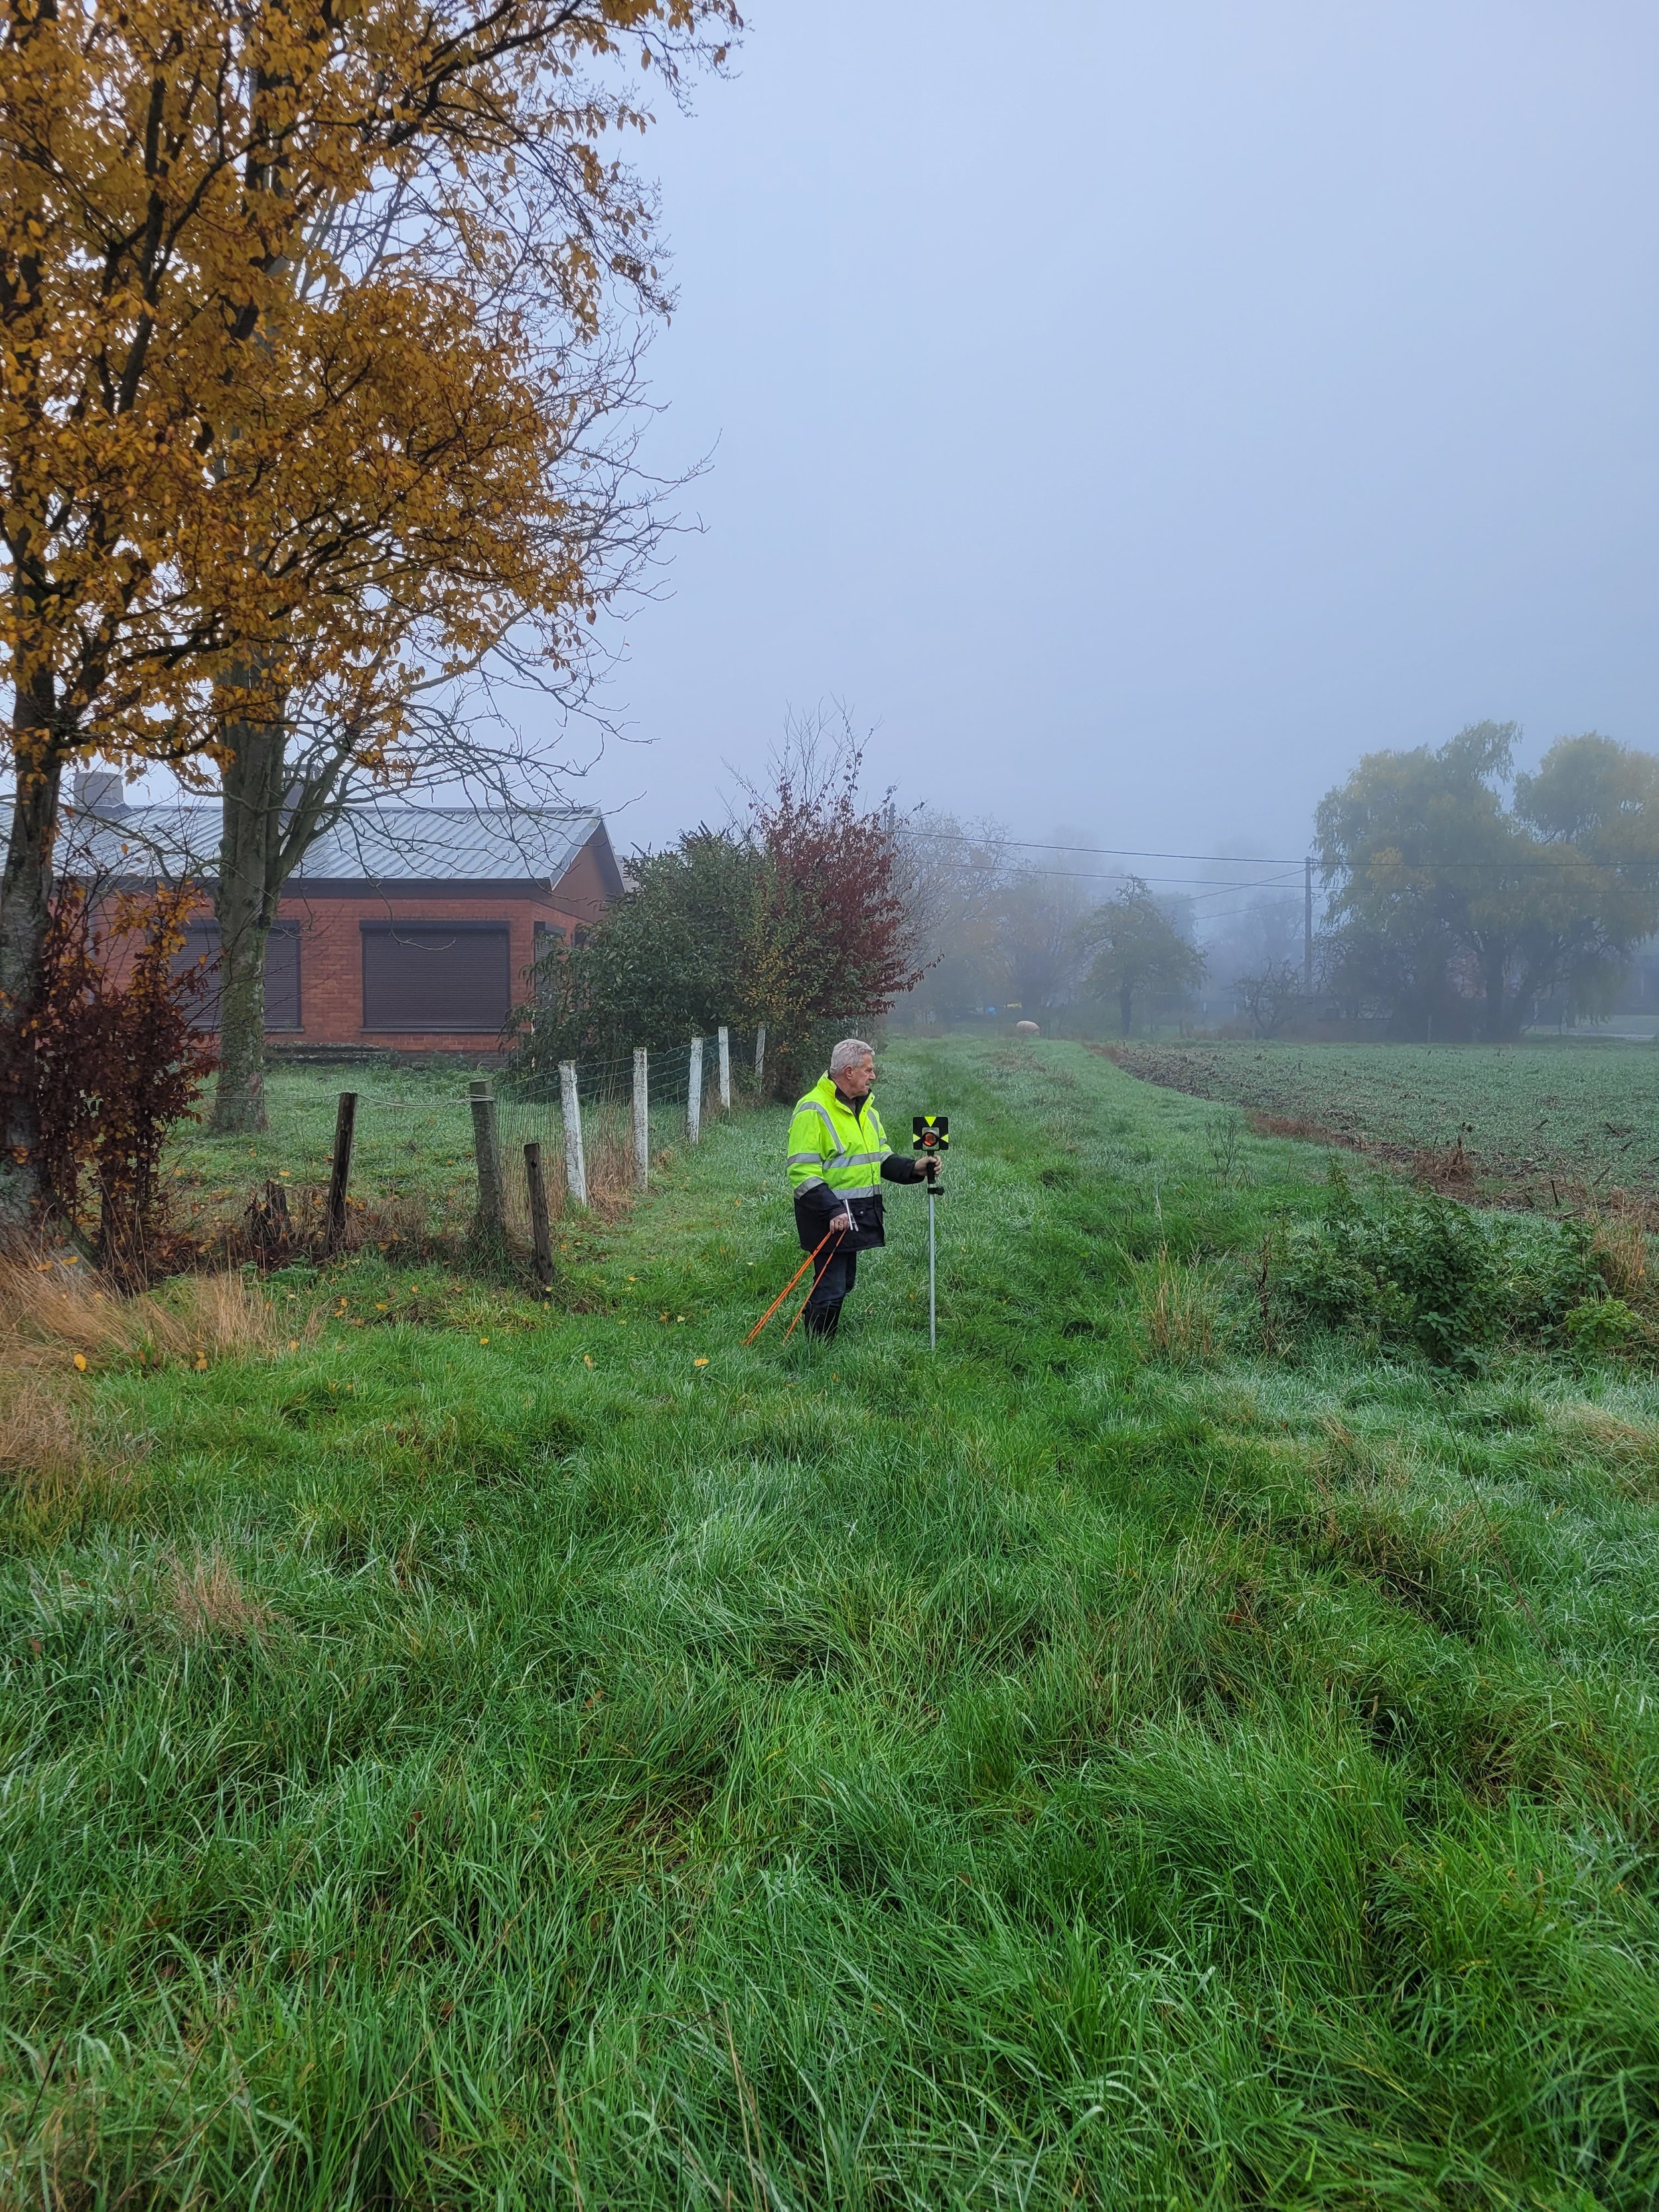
[839,1158]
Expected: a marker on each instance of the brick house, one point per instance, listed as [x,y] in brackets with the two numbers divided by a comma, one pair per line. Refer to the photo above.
[406,928]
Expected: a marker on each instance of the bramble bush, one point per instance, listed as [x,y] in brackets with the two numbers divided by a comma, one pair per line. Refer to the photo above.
[116,1060]
[1419,1272]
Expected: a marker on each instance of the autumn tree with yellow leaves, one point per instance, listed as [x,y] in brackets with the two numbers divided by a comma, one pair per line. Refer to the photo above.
[298,312]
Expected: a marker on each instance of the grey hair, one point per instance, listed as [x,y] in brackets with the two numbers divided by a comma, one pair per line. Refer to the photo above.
[849,1053]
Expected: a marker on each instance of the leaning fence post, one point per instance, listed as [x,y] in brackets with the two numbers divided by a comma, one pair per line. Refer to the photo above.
[641,1117]
[725,1036]
[760,1057]
[492,1219]
[345,1126]
[575,1167]
[694,1095]
[541,1233]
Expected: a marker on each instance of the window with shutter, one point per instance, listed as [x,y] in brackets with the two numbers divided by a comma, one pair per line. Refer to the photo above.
[201,948]
[435,975]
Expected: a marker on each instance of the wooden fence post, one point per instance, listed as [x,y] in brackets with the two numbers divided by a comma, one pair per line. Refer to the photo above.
[491,1220]
[760,1057]
[575,1167]
[345,1129]
[541,1233]
[725,1037]
[694,1095]
[641,1117]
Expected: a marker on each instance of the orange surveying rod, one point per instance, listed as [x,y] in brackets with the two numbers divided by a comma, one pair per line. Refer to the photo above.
[789,1286]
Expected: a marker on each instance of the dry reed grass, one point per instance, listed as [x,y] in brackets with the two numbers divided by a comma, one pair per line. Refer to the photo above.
[207,1598]
[607,1158]
[1618,1247]
[1177,1308]
[52,1313]
[1628,1451]
[284,1222]
[43,1453]
[1344,1461]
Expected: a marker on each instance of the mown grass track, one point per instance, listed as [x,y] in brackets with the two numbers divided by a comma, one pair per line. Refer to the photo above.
[1041,1776]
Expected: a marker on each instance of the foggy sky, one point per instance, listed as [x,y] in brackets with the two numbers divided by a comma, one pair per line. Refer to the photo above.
[1136,413]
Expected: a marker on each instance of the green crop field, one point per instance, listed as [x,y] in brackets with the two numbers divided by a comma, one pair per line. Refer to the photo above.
[1161,1752]
[1585,1114]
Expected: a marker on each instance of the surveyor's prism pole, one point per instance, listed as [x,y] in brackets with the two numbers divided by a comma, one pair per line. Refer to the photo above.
[930,1135]
[933,1274]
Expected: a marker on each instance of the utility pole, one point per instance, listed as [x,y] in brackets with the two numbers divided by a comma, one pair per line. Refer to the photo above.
[1307,928]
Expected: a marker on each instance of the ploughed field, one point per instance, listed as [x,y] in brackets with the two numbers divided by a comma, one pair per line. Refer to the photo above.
[1193,1742]
[1543,1122]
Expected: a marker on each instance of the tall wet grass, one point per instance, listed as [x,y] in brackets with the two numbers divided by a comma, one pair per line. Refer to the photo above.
[491,1759]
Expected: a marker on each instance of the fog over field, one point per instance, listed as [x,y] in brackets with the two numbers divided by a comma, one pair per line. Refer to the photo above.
[1137,415]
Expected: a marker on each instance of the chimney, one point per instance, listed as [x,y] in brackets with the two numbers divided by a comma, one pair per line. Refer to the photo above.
[99,790]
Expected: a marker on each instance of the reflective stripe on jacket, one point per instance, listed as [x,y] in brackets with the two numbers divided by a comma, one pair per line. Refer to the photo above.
[830,1143]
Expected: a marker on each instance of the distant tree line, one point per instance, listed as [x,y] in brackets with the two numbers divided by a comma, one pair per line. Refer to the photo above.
[1460,897]
[1464,897]
[1006,935]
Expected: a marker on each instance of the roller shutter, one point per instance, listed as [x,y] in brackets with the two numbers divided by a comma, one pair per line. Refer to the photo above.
[201,947]
[436,976]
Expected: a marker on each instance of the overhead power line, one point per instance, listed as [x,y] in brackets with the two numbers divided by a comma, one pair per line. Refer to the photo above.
[1103,851]
[989,847]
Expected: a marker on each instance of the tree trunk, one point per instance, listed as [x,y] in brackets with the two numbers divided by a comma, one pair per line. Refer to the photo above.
[245,904]
[25,916]
[1126,1001]
[1494,967]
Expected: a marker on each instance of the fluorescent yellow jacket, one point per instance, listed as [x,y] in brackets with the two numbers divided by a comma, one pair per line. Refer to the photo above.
[831,1145]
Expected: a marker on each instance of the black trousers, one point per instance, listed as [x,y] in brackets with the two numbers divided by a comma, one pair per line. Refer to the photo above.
[833,1272]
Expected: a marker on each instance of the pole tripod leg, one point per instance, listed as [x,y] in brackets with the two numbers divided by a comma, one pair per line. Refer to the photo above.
[933,1277]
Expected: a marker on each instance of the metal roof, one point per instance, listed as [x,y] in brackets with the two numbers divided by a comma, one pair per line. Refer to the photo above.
[377,843]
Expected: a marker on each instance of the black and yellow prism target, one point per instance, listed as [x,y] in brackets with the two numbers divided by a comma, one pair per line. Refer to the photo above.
[931,1132]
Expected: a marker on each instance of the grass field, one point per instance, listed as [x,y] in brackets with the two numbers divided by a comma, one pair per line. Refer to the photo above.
[413,1174]
[1584,1114]
[412,1159]
[458,1756]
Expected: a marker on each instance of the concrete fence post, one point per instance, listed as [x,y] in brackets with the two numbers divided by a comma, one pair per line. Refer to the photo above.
[760,1056]
[725,1039]
[641,1117]
[694,1096]
[492,1214]
[570,1109]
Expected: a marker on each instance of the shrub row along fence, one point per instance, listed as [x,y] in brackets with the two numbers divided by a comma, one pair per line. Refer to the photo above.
[538,1154]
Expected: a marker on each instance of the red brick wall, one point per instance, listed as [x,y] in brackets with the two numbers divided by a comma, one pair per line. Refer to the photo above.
[583,887]
[331,962]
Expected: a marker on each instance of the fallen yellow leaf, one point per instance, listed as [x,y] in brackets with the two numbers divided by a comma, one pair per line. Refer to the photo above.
[700,1363]
[81,1361]
[588,1359]
[484,1339]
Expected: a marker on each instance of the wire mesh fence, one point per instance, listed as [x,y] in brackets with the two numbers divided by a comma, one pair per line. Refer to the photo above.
[630,1109]
[413,1160]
